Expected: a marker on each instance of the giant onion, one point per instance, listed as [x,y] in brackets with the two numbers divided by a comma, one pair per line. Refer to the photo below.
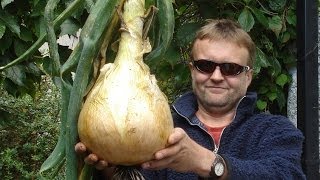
[126,118]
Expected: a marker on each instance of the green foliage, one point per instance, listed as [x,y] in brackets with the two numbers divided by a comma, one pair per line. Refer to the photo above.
[21,24]
[96,24]
[29,128]
[271,24]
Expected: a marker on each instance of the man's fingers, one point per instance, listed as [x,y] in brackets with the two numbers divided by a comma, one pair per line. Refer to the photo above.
[101,165]
[176,136]
[91,159]
[80,148]
[157,164]
[167,152]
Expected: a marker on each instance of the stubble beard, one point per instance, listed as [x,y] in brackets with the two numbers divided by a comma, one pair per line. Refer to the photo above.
[218,104]
[209,100]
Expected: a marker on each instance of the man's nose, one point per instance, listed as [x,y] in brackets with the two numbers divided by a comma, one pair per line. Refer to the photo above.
[216,74]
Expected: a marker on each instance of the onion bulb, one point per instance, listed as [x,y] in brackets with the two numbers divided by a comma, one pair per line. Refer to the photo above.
[126,118]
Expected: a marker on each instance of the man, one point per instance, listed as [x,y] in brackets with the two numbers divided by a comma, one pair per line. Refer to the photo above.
[218,134]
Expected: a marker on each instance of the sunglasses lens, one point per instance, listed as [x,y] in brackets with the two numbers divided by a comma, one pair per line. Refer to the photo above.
[231,69]
[227,69]
[205,66]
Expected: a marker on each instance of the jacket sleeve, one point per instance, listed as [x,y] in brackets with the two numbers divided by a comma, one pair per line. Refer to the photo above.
[275,155]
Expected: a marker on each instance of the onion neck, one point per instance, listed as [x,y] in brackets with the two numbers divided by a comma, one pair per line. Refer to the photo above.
[131,45]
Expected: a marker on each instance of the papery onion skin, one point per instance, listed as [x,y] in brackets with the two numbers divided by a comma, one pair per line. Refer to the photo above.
[126,118]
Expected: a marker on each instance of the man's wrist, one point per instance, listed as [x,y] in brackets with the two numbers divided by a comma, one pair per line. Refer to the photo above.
[218,167]
[208,167]
[205,162]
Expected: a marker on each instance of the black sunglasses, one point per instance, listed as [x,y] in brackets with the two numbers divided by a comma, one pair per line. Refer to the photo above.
[226,69]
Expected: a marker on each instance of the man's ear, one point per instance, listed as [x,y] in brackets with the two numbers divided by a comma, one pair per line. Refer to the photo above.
[190,66]
[249,76]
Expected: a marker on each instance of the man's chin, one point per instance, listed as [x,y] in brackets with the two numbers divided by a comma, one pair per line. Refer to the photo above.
[216,91]
[217,97]
[218,102]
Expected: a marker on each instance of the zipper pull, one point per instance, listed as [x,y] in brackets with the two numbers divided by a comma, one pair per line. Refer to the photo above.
[215,148]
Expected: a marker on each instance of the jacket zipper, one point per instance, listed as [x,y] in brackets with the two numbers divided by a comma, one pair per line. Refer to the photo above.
[216,147]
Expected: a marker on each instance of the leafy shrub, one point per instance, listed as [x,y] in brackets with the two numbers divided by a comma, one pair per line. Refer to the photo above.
[29,129]
[272,26]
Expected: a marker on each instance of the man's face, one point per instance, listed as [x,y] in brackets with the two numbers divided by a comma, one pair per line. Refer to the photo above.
[216,91]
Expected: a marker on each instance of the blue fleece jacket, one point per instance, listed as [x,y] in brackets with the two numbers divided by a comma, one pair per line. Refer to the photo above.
[254,146]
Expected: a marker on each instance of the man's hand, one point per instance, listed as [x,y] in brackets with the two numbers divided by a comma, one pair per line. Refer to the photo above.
[182,155]
[91,159]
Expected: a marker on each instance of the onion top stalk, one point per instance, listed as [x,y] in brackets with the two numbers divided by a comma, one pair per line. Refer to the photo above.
[126,118]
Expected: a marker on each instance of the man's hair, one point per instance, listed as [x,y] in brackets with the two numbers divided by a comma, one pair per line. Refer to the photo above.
[230,31]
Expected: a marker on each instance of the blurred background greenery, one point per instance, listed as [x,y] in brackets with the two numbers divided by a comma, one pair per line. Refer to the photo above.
[30,102]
